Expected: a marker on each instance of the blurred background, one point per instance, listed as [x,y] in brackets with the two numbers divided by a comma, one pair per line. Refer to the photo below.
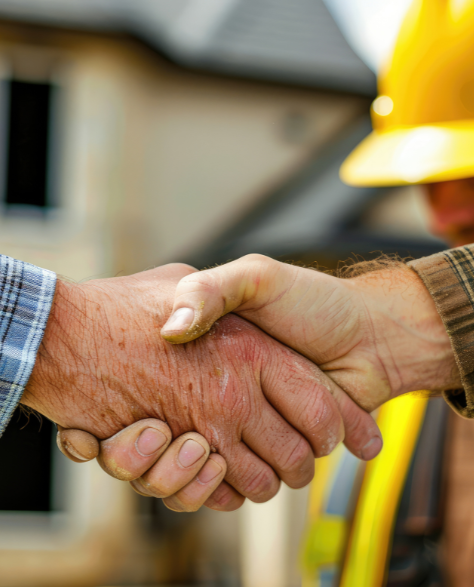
[135,133]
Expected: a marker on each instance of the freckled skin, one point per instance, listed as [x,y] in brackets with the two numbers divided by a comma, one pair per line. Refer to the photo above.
[103,365]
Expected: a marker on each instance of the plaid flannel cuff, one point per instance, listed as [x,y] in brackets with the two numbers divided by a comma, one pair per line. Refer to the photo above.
[26,296]
[449,277]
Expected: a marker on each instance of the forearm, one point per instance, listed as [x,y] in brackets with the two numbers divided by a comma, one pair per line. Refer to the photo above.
[409,334]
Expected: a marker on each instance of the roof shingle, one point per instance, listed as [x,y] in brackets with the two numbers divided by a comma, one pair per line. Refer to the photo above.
[287,41]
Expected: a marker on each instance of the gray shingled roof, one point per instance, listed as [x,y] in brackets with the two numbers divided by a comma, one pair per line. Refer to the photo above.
[292,41]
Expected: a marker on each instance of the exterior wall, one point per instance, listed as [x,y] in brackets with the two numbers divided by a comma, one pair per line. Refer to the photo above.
[152,162]
[214,147]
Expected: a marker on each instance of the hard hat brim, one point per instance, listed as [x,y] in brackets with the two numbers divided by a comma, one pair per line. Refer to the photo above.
[412,155]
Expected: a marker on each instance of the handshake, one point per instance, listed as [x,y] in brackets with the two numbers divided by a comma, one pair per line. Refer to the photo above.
[251,398]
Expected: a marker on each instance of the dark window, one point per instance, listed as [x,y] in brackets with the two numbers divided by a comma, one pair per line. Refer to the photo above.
[28,144]
[25,457]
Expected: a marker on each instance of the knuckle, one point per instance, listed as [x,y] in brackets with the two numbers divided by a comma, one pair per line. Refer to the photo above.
[200,287]
[257,259]
[225,499]
[204,280]
[221,498]
[295,457]
[181,267]
[320,414]
[262,486]
[323,424]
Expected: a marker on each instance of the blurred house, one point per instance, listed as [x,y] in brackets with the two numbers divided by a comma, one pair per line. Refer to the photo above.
[138,133]
[146,153]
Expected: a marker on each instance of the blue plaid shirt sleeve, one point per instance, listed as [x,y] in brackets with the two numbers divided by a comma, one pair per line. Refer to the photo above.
[26,296]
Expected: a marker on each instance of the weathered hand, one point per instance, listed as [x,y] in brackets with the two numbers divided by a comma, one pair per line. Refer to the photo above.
[377,335]
[182,472]
[103,366]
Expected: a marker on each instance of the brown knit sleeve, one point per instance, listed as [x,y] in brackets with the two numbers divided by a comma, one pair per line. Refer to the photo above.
[449,277]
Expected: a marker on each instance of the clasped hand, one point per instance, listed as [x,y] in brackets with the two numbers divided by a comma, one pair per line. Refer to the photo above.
[245,411]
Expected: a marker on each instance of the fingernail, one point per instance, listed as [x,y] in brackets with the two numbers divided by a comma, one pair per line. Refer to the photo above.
[190,453]
[180,321]
[71,450]
[139,489]
[149,441]
[372,449]
[209,472]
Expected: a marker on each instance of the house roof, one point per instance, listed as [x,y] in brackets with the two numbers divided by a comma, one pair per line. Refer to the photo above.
[291,42]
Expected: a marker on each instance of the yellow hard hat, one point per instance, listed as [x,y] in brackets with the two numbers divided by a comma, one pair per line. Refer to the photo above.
[423,118]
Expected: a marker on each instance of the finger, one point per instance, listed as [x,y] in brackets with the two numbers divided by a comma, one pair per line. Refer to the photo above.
[297,390]
[273,440]
[202,298]
[317,407]
[178,467]
[282,447]
[249,475]
[77,445]
[131,452]
[135,485]
[225,499]
[198,491]
[363,437]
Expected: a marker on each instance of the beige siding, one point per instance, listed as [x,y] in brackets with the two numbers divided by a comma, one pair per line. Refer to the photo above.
[155,161]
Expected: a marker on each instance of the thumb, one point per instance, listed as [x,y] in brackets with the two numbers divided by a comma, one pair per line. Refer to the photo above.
[204,297]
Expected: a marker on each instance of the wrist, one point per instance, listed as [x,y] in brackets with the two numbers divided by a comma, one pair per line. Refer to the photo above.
[411,339]
[57,366]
